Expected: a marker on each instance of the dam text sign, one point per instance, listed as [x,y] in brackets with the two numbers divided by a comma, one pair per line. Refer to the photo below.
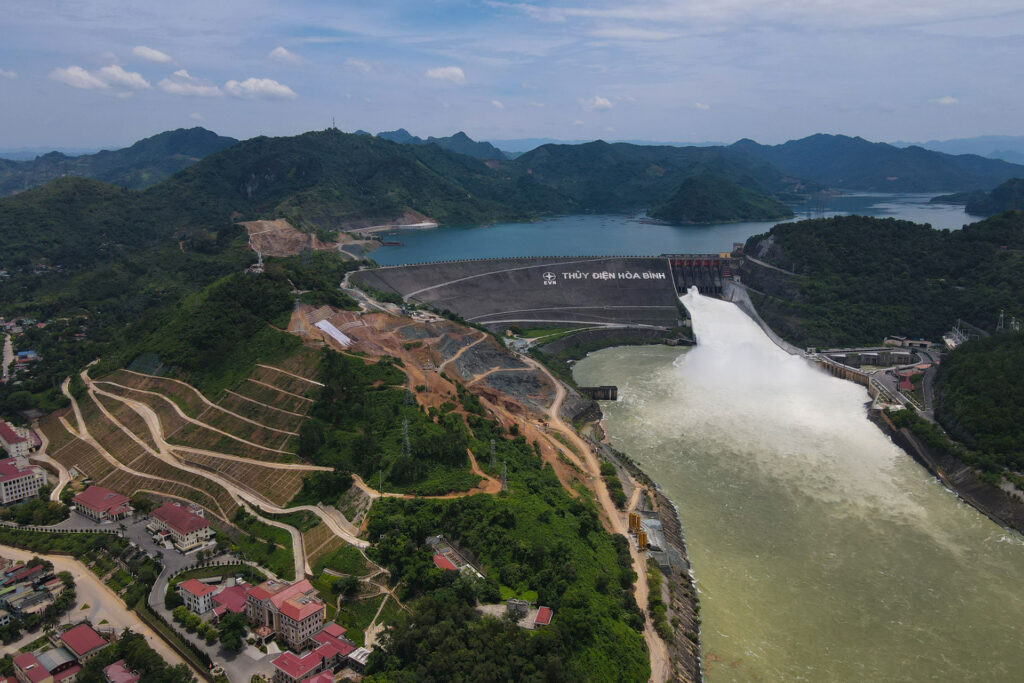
[605,275]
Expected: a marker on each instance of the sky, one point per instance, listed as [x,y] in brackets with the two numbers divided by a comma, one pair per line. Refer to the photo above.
[94,73]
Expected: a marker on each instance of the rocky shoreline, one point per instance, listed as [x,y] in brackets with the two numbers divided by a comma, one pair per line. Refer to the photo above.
[683,601]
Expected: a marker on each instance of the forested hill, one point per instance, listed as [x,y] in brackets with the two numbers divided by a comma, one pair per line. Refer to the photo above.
[860,279]
[617,177]
[709,198]
[1007,197]
[145,163]
[856,164]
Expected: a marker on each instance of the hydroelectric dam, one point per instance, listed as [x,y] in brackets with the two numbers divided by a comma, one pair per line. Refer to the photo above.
[601,291]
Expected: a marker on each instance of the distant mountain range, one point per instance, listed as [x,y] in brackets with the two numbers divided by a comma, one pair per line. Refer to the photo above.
[1006,147]
[460,143]
[856,164]
[145,163]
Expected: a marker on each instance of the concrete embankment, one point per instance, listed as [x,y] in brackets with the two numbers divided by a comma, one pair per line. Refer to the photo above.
[683,603]
[998,505]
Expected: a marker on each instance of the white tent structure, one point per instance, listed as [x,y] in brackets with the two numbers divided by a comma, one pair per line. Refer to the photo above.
[335,334]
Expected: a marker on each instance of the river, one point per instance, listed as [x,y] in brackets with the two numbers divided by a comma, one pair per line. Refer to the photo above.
[601,235]
[822,551]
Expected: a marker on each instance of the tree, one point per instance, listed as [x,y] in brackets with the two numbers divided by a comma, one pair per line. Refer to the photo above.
[232,631]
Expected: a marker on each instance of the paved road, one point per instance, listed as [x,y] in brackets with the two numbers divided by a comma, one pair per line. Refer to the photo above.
[103,603]
[8,356]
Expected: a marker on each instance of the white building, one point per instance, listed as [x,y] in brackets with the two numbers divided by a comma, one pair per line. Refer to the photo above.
[19,480]
[184,526]
[197,595]
[16,445]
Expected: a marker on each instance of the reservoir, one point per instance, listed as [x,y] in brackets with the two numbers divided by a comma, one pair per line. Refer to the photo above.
[822,552]
[616,235]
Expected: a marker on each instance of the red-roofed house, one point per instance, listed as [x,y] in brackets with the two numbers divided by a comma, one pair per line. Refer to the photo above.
[197,595]
[544,615]
[322,677]
[14,443]
[187,526]
[19,481]
[230,599]
[443,562]
[119,673]
[83,642]
[293,611]
[28,669]
[100,504]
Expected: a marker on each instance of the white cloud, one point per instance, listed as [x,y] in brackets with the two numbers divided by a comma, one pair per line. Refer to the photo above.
[448,73]
[115,75]
[497,104]
[260,88]
[577,122]
[77,77]
[7,74]
[196,116]
[181,83]
[151,55]
[354,64]
[283,56]
[627,33]
[701,105]
[537,104]
[596,103]
[946,101]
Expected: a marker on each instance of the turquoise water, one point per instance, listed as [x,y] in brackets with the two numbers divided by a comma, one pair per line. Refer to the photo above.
[601,235]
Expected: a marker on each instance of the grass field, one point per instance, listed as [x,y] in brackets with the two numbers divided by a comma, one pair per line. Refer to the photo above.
[356,615]
[346,559]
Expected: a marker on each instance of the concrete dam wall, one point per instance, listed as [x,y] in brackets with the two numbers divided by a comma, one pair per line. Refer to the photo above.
[606,291]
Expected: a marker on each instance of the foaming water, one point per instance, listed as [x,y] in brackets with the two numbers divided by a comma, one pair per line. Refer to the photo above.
[822,551]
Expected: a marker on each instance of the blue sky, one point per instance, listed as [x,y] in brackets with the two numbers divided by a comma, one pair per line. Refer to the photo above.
[88,73]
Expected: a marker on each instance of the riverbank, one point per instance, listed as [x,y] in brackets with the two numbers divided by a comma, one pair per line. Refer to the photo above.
[679,588]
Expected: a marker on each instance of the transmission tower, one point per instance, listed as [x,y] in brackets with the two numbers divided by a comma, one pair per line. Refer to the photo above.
[406,449]
[504,475]
[999,327]
[492,453]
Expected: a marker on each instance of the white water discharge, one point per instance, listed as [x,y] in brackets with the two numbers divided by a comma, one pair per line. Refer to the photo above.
[822,551]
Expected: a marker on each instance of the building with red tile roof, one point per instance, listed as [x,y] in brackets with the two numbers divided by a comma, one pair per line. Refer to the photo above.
[230,600]
[118,673]
[293,611]
[14,443]
[101,504]
[330,653]
[19,480]
[443,562]
[543,618]
[197,595]
[322,677]
[188,527]
[83,642]
[28,669]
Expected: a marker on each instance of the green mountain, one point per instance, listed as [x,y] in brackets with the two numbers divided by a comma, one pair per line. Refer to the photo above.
[1007,197]
[460,143]
[145,163]
[856,164]
[859,279]
[711,199]
[620,177]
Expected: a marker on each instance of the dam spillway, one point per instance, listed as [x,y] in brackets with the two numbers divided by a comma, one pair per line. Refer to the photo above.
[822,551]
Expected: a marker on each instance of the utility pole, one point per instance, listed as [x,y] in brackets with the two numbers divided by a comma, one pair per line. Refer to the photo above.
[492,453]
[405,436]
[504,475]
[999,327]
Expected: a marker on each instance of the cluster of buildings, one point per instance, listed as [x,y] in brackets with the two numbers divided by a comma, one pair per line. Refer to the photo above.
[62,661]
[26,589]
[290,612]
[448,558]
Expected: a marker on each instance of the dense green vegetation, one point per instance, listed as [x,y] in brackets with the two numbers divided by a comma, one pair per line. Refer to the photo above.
[1007,197]
[145,163]
[861,278]
[534,538]
[856,164]
[357,425]
[620,177]
[39,511]
[979,399]
[139,657]
[322,487]
[264,544]
[713,199]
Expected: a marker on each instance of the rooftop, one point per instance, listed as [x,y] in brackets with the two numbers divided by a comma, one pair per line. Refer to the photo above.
[179,518]
[9,469]
[232,598]
[82,639]
[31,666]
[119,673]
[296,666]
[443,562]
[196,587]
[8,434]
[99,498]
[544,615]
